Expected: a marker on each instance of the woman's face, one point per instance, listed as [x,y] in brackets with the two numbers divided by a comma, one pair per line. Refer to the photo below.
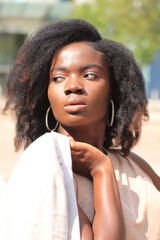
[79,86]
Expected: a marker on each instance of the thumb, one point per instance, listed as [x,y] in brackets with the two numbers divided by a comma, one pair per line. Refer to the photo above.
[77,146]
[72,142]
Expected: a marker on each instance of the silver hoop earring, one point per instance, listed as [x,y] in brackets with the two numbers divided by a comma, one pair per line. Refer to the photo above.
[112,115]
[46,121]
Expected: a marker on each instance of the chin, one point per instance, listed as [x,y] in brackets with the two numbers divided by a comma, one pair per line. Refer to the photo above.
[75,124]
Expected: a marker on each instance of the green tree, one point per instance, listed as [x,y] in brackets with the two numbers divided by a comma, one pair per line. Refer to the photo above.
[134,23]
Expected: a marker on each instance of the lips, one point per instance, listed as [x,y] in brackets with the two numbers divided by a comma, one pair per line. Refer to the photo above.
[74,105]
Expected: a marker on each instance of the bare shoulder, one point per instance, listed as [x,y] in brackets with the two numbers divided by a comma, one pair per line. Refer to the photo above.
[147,169]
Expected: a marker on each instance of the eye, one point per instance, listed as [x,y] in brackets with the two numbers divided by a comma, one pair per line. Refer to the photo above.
[58,78]
[90,76]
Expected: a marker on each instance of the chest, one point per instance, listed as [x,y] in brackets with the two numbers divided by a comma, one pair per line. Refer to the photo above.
[84,194]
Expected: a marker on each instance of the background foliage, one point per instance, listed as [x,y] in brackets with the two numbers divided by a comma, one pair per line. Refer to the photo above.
[134,23]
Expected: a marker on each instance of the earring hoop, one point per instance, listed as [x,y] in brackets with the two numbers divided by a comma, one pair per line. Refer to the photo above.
[46,121]
[112,114]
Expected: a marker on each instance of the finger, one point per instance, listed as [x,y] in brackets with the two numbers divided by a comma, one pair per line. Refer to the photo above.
[71,141]
[78,146]
[76,154]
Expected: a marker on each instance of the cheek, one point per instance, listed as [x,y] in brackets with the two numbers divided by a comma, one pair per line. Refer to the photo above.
[52,96]
[49,93]
[55,96]
[53,93]
[100,102]
[101,96]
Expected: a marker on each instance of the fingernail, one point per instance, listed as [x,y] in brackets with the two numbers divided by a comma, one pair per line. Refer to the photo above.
[68,135]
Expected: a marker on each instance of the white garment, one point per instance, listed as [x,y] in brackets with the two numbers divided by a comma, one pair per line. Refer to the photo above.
[39,202]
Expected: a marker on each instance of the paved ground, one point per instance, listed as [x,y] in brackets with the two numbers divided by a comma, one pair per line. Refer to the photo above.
[148,147]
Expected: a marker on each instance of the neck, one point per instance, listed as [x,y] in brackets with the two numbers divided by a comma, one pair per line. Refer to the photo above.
[93,136]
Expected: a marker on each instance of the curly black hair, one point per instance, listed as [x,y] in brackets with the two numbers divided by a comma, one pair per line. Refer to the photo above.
[29,78]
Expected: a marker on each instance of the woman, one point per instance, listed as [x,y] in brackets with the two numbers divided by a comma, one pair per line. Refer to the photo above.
[96,92]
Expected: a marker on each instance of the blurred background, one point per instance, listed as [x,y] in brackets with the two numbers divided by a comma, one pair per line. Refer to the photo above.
[134,23]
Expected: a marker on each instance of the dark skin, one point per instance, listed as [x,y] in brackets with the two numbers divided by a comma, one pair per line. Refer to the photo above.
[78,91]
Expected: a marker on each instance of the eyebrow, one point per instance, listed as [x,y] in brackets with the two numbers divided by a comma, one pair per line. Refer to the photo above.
[58,68]
[91,66]
[85,67]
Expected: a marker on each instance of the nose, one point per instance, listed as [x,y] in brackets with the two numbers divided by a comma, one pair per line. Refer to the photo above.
[74,85]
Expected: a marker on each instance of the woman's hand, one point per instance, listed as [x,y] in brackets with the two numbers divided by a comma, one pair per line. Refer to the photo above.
[86,159]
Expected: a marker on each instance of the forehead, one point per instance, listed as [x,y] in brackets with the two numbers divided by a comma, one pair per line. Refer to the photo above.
[81,51]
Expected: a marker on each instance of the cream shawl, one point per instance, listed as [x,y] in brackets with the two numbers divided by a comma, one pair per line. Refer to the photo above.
[39,202]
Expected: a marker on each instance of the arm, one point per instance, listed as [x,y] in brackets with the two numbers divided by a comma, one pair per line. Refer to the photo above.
[108,222]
